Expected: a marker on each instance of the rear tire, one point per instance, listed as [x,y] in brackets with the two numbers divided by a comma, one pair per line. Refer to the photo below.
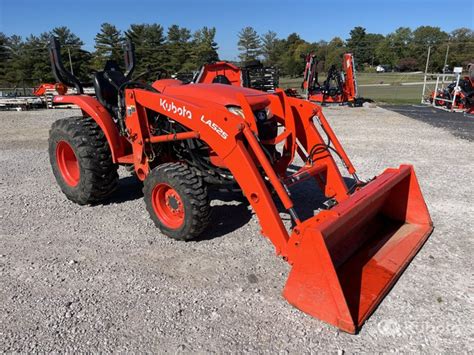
[81,160]
[177,201]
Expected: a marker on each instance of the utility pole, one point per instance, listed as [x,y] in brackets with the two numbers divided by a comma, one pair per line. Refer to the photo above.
[427,59]
[446,58]
[70,61]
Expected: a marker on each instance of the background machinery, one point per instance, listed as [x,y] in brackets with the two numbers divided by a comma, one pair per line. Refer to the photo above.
[455,95]
[182,139]
[338,88]
[252,75]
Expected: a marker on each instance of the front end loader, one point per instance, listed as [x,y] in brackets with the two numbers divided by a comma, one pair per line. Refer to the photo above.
[181,139]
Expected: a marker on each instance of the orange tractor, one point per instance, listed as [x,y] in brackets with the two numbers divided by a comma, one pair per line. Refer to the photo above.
[180,139]
[338,88]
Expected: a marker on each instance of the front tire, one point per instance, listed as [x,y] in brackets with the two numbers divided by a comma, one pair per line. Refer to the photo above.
[177,201]
[81,160]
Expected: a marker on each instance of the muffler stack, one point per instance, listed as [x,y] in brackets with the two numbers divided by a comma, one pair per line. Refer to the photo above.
[345,260]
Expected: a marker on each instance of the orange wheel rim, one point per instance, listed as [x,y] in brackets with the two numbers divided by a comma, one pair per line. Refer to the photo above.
[67,163]
[168,205]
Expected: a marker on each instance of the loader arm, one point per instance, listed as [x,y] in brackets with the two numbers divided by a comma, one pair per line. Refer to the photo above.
[236,144]
[223,132]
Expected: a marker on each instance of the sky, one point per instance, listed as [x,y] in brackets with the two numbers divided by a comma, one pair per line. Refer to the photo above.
[313,20]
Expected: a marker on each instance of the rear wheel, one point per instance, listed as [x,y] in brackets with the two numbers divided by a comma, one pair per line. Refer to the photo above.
[81,160]
[177,201]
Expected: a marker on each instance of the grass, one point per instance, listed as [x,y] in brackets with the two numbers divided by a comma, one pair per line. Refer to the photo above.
[394,93]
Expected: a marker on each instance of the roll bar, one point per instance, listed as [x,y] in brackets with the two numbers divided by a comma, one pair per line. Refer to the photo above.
[64,76]
[129,56]
[60,73]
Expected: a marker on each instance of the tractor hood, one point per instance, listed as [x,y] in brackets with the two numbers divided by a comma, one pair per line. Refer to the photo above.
[222,94]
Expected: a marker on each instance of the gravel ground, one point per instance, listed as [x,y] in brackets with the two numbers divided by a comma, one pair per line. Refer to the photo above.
[104,279]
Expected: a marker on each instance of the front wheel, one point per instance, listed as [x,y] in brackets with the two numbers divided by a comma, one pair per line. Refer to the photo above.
[177,201]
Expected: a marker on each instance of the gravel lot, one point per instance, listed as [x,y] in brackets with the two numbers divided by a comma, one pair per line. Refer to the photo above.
[104,279]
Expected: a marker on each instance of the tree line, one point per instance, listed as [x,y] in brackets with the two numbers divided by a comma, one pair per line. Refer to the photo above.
[26,61]
[178,49]
[404,49]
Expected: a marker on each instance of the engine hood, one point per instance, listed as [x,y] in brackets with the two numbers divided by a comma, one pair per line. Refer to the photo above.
[222,94]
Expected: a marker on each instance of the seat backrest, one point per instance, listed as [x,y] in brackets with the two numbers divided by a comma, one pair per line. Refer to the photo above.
[106,84]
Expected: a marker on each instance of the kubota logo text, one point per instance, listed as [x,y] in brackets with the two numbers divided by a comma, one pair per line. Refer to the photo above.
[215,127]
[180,110]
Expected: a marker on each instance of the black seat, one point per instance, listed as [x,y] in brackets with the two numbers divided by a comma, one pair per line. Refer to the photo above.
[106,85]
[221,79]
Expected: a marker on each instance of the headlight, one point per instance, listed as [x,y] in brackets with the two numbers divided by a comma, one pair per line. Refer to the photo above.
[236,110]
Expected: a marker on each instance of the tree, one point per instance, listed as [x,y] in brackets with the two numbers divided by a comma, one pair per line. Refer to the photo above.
[249,44]
[424,37]
[335,51]
[461,47]
[10,64]
[149,42]
[321,49]
[358,44]
[270,48]
[204,47]
[108,45]
[178,49]
[5,56]
[407,64]
[394,47]
[178,34]
[373,40]
[290,61]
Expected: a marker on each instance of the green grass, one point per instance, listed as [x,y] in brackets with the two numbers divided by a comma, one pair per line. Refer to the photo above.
[392,94]
[395,94]
[388,78]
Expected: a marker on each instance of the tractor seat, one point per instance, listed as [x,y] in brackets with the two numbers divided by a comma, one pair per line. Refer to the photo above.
[221,79]
[106,85]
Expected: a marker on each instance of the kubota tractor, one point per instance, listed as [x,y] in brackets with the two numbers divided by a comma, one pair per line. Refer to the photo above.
[180,139]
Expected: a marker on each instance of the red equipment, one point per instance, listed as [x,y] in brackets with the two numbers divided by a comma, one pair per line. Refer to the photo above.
[459,95]
[182,138]
[338,88]
[41,90]
[254,75]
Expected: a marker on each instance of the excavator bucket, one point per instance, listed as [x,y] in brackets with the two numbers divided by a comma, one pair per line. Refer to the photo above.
[346,259]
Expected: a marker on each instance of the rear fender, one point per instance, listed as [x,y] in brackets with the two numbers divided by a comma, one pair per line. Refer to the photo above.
[93,108]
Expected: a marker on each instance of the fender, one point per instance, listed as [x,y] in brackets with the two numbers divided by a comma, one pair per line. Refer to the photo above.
[101,116]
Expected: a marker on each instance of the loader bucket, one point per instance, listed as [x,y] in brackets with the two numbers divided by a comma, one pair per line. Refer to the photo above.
[345,260]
